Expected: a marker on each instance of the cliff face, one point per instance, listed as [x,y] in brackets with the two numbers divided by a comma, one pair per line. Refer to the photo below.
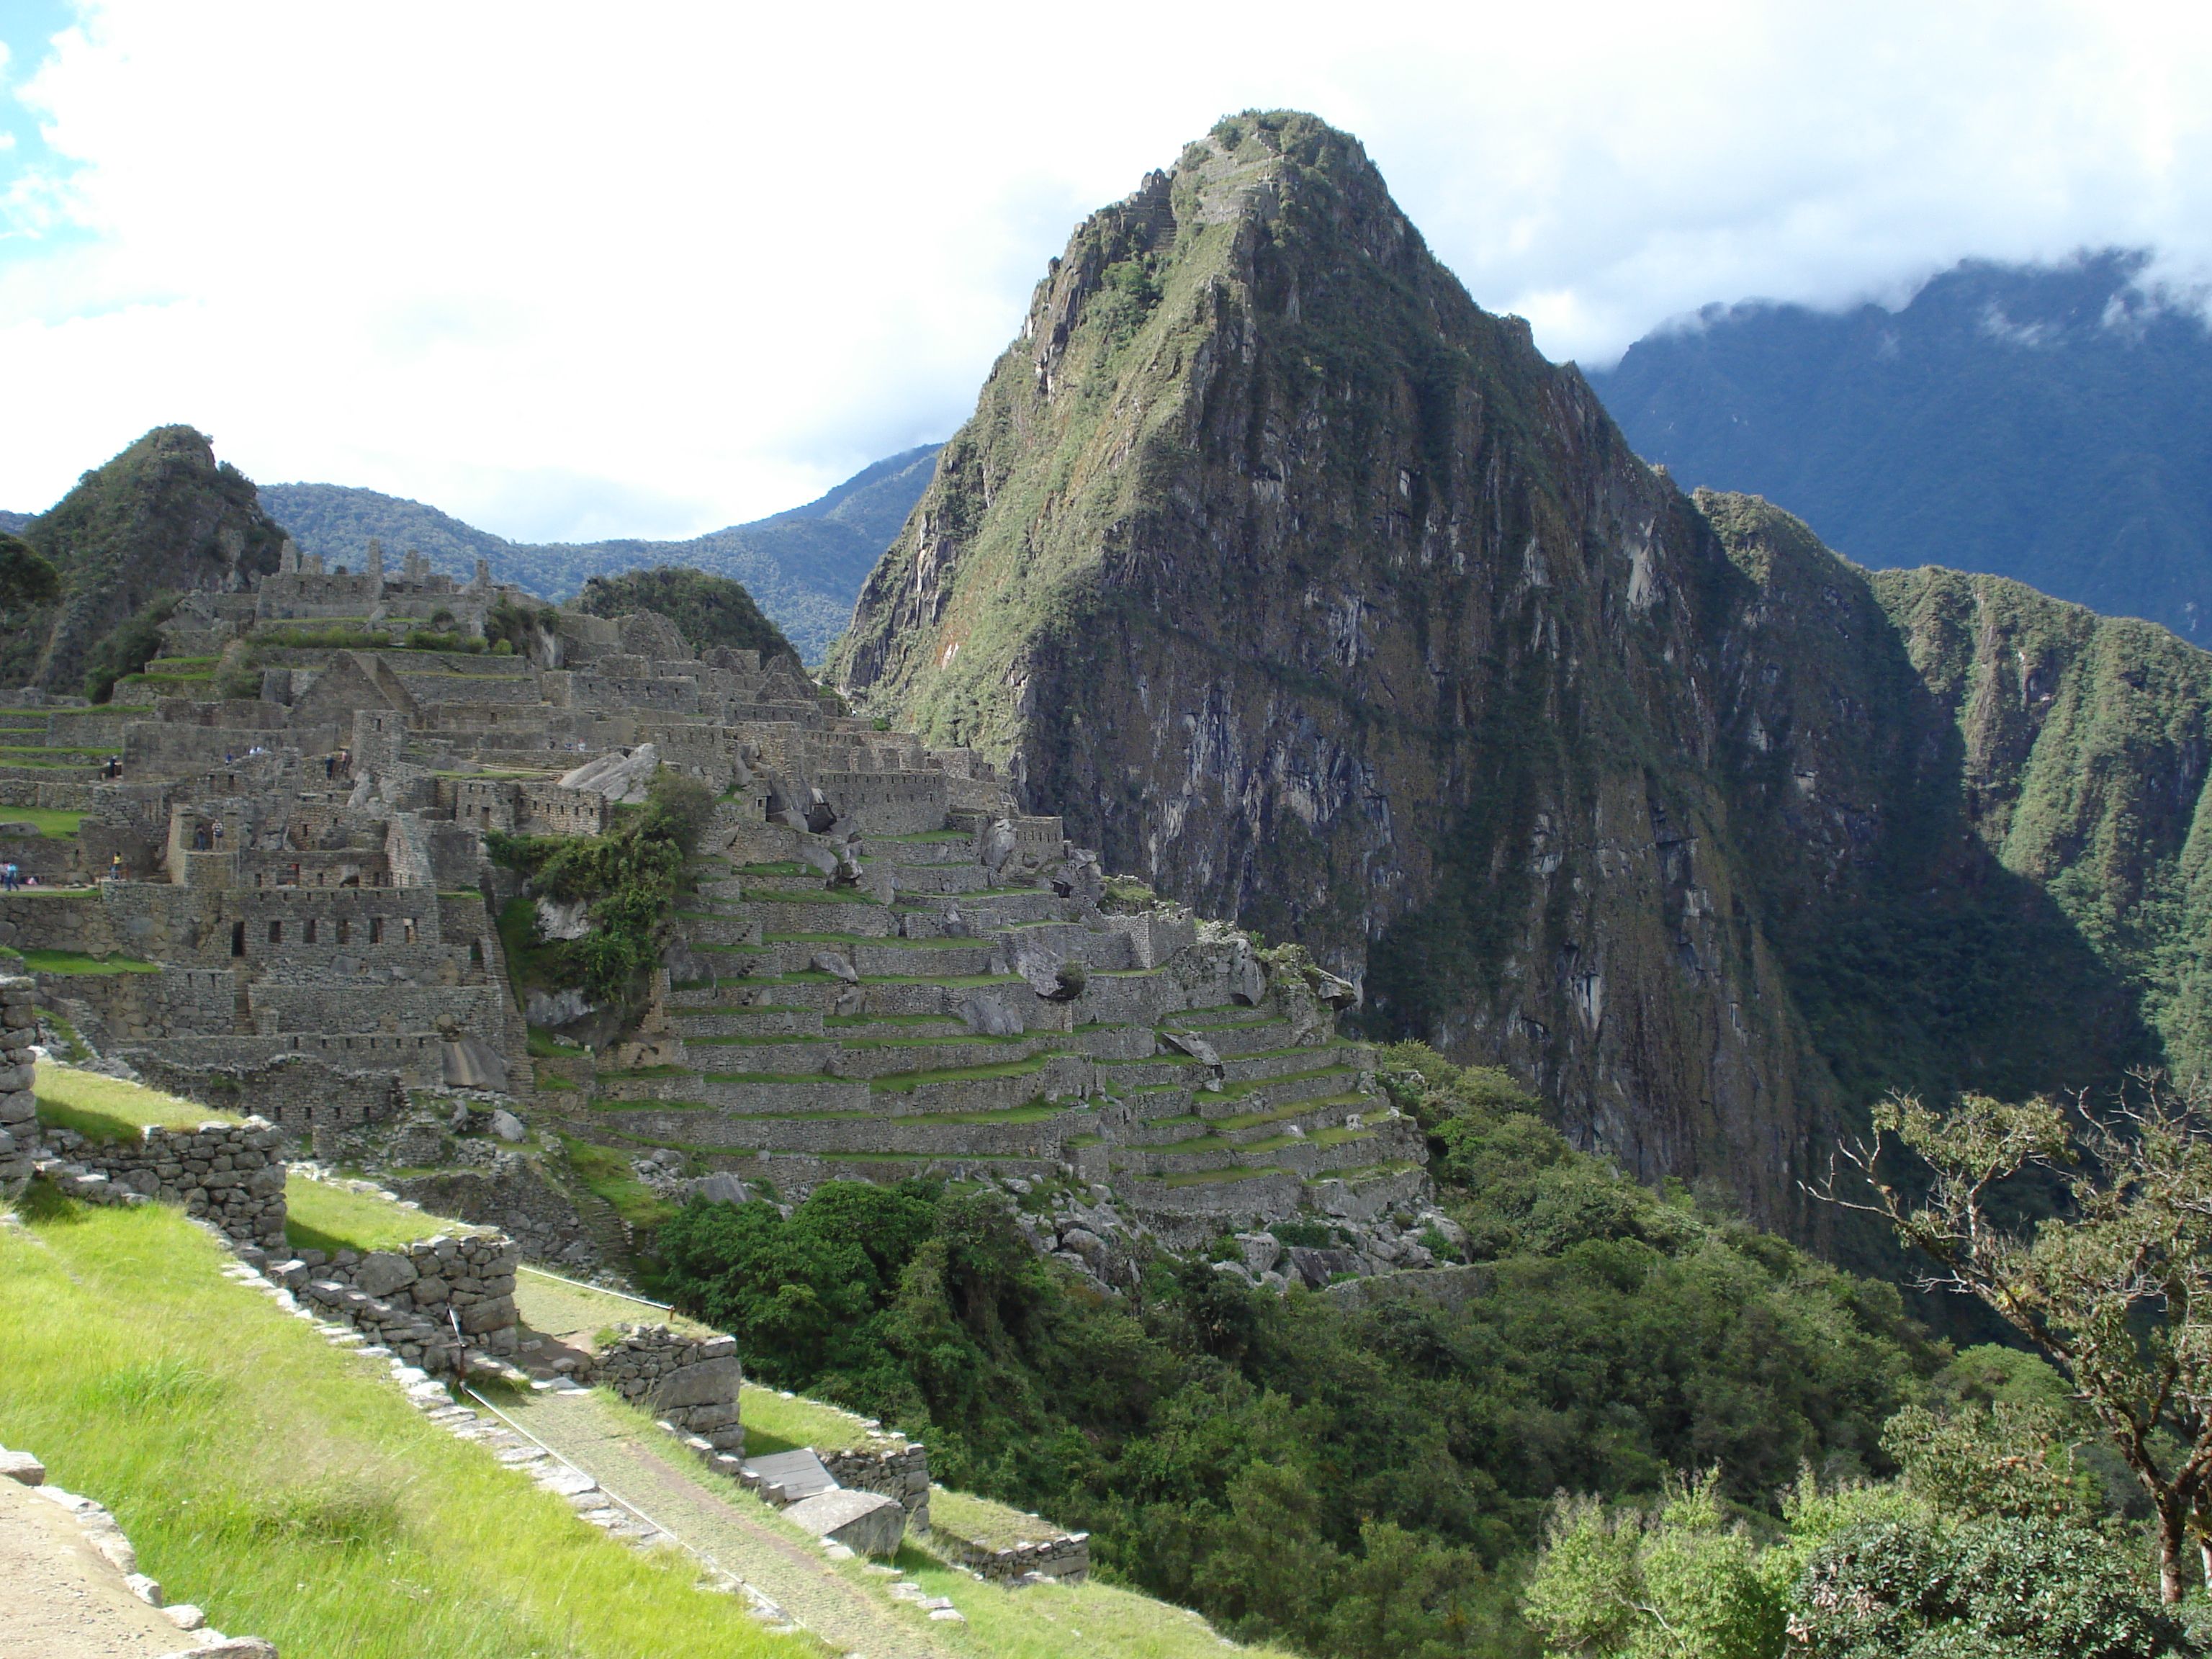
[162,517]
[1315,593]
[1311,592]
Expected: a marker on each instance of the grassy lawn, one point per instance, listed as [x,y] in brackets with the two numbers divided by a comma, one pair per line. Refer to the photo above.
[774,1423]
[322,1217]
[559,1307]
[286,1488]
[108,1108]
[51,820]
[75,961]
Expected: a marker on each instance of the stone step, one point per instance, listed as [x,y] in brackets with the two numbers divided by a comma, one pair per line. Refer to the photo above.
[841,918]
[1245,1037]
[1021,1132]
[1266,1095]
[919,880]
[831,1055]
[912,851]
[1307,1117]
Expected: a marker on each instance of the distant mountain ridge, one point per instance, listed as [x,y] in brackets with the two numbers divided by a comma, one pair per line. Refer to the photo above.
[2042,422]
[803,566]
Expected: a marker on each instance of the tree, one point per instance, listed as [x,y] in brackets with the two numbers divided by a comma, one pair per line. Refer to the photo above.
[26,580]
[2115,1290]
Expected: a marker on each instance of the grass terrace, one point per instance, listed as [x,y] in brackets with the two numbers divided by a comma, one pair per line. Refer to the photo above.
[75,961]
[323,1216]
[259,1460]
[50,820]
[106,1108]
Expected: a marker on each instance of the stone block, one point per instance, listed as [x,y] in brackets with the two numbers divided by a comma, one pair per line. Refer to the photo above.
[865,1523]
[383,1272]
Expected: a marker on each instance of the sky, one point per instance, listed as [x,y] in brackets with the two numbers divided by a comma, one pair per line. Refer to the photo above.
[570,272]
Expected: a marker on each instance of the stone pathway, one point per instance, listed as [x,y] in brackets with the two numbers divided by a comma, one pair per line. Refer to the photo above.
[680,1499]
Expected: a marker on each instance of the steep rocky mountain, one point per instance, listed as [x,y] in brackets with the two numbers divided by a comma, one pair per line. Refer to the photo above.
[15,524]
[161,518]
[1312,592]
[804,565]
[2043,423]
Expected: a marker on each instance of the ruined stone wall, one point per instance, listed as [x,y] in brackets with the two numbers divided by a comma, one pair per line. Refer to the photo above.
[511,1195]
[19,1106]
[304,1097]
[899,1470]
[691,1383]
[426,1302]
[230,1175]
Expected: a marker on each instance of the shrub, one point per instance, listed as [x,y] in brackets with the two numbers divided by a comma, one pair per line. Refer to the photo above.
[129,648]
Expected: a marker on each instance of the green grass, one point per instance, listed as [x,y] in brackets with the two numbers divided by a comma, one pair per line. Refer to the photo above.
[107,1109]
[607,1173]
[773,1423]
[249,1461]
[51,820]
[322,1217]
[74,962]
[980,1521]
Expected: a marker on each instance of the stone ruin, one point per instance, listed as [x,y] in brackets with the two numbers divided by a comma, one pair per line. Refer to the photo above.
[889,970]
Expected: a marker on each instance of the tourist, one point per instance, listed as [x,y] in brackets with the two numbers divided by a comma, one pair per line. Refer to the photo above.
[115,866]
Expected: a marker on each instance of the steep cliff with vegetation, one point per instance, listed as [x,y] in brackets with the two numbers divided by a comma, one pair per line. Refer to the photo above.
[1313,593]
[162,518]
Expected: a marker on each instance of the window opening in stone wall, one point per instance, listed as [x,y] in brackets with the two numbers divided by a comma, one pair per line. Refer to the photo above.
[275,933]
[407,929]
[311,933]
[475,953]
[376,930]
[238,939]
[345,931]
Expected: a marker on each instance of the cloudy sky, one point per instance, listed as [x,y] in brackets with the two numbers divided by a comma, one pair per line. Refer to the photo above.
[571,271]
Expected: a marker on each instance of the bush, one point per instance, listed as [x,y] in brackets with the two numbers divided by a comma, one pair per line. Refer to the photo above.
[630,878]
[127,650]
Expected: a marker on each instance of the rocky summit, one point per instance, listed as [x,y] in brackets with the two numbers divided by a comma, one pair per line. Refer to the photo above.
[1301,586]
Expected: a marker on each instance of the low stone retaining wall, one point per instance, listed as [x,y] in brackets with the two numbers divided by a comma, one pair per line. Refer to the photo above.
[1066,1557]
[230,1175]
[900,1472]
[427,1302]
[690,1384]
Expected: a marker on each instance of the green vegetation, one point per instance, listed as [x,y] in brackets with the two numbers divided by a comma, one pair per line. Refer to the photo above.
[128,648]
[607,1172]
[630,877]
[27,580]
[108,1108]
[773,1423]
[75,962]
[324,1217]
[50,820]
[260,1459]
[1354,1480]
[708,610]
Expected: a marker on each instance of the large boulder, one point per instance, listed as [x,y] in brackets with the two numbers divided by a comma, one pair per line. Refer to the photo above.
[470,1062]
[621,778]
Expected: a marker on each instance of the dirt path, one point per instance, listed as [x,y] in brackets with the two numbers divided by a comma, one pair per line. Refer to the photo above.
[682,1500]
[59,1599]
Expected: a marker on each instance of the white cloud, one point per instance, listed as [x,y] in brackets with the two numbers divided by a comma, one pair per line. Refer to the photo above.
[571,271]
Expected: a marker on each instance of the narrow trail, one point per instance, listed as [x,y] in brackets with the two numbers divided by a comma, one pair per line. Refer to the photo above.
[682,1500]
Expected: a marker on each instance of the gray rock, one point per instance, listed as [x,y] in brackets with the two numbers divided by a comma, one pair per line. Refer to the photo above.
[1088,1247]
[1192,1044]
[623,779]
[470,1062]
[381,1272]
[865,1523]
[835,965]
[507,1127]
[987,1015]
[560,919]
[721,1187]
[1262,1250]
[708,1383]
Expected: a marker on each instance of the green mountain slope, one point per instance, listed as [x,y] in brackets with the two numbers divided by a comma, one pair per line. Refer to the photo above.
[161,518]
[2042,422]
[1313,593]
[804,565]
